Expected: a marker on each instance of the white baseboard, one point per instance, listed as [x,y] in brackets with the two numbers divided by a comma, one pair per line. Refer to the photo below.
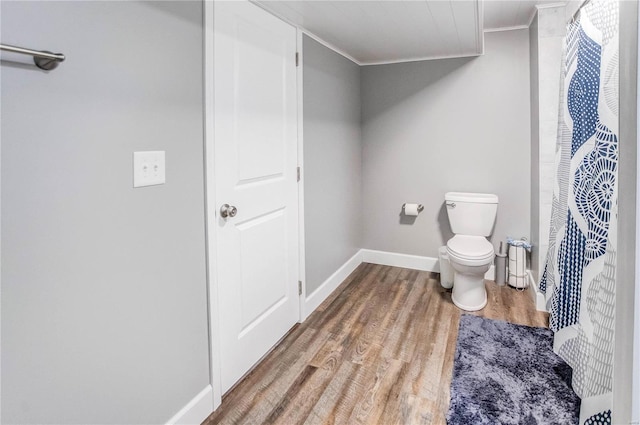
[537,296]
[197,410]
[407,261]
[416,262]
[491,273]
[328,286]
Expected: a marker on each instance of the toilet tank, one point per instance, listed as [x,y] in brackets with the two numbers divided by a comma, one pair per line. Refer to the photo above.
[471,214]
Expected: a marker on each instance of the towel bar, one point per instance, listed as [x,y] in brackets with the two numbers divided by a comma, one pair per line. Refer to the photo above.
[43,59]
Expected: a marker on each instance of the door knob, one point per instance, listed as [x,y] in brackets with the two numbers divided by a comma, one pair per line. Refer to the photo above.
[228,211]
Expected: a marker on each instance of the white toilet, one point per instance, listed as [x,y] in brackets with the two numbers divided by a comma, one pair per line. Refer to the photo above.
[471,216]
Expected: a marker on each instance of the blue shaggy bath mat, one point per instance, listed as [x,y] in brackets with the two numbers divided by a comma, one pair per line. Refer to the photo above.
[509,374]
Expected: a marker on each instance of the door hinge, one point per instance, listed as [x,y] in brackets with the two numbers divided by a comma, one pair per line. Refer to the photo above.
[297,59]
[298,171]
[299,287]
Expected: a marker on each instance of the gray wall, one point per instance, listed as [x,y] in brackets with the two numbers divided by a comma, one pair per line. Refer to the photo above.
[104,314]
[446,125]
[535,147]
[332,161]
[627,176]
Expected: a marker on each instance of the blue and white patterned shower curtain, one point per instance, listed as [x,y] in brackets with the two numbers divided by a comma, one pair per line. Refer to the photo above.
[579,276]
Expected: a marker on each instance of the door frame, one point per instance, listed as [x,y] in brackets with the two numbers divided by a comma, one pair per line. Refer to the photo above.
[211,232]
[301,239]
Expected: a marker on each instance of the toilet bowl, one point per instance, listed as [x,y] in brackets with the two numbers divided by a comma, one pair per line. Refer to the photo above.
[471,258]
[471,216]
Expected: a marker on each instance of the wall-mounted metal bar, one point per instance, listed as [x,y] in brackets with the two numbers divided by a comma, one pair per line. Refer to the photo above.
[577,12]
[43,59]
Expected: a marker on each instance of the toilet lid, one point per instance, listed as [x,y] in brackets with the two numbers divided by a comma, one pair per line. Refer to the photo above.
[470,246]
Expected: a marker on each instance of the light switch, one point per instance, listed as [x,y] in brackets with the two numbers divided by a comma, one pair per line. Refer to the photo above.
[148,168]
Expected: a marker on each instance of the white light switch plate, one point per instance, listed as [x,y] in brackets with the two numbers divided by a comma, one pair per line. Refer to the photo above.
[148,168]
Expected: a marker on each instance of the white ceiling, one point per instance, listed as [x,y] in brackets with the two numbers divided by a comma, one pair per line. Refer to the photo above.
[501,14]
[386,31]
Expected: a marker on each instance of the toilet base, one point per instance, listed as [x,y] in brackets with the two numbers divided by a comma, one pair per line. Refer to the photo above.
[467,307]
[469,292]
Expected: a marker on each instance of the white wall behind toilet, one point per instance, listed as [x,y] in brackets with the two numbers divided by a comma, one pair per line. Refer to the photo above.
[446,125]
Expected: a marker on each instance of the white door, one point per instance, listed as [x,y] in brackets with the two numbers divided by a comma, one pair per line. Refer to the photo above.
[255,139]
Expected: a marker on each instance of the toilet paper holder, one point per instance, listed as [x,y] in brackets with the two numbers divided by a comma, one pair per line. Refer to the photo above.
[420,207]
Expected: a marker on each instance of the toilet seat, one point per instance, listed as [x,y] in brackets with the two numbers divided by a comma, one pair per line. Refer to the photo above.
[470,250]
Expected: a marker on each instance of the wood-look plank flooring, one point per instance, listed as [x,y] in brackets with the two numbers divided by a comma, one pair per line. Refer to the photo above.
[378,351]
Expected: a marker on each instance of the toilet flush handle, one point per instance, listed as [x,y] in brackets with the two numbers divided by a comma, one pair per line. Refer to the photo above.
[451,204]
